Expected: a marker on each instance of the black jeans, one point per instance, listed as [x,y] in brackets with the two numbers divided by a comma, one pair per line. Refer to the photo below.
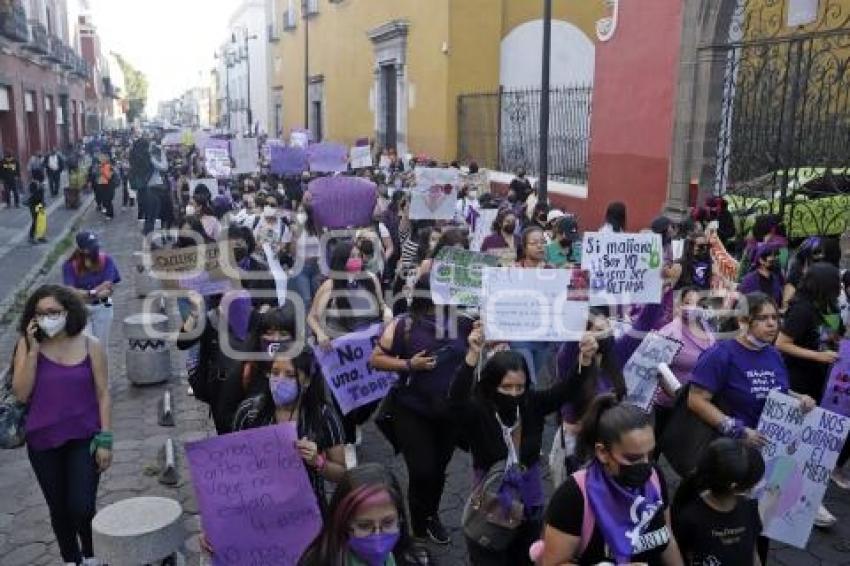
[68,478]
[12,191]
[516,554]
[150,203]
[107,195]
[53,180]
[427,445]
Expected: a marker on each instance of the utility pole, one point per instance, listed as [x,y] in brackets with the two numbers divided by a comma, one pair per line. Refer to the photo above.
[305,10]
[543,180]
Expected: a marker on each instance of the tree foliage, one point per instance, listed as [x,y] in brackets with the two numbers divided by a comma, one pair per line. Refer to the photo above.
[137,89]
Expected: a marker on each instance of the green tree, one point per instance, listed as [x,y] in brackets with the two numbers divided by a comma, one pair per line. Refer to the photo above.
[137,89]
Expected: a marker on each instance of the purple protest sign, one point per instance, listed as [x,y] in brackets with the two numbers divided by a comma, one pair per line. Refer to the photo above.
[347,372]
[836,395]
[342,202]
[254,497]
[287,160]
[327,157]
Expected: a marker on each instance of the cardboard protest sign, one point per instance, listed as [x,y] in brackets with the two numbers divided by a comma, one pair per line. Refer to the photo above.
[625,269]
[641,371]
[327,157]
[483,223]
[254,496]
[534,305]
[245,155]
[276,269]
[211,184]
[836,394]
[800,455]
[287,160]
[349,375]
[361,157]
[342,202]
[266,151]
[299,138]
[217,158]
[456,276]
[197,268]
[435,195]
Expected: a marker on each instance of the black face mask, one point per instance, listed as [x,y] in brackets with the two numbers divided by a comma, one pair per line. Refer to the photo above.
[606,345]
[239,254]
[509,228]
[634,475]
[506,406]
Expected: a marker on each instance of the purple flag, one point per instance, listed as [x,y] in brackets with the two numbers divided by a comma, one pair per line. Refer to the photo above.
[343,202]
[327,157]
[256,502]
[347,371]
[836,395]
[288,160]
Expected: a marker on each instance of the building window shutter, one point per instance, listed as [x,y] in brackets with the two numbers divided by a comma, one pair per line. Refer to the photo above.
[29,101]
[60,116]
[4,99]
[48,106]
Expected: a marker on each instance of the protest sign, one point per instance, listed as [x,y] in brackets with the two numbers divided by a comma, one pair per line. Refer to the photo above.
[327,157]
[245,155]
[477,181]
[435,195]
[456,276]
[349,375]
[534,305]
[361,157]
[799,457]
[624,269]
[266,151]
[287,160]
[278,273]
[217,158]
[254,496]
[481,227]
[836,394]
[211,184]
[342,202]
[384,161]
[641,371]
[299,138]
[197,268]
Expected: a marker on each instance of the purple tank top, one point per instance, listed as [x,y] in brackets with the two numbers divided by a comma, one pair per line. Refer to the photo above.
[63,405]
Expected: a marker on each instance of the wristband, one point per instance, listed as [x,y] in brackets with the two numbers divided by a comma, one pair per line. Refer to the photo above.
[103,439]
[409,366]
[320,462]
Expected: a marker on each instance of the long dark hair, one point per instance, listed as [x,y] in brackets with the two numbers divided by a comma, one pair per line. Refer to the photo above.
[821,284]
[810,251]
[727,466]
[585,386]
[615,215]
[452,237]
[689,258]
[338,258]
[358,485]
[77,314]
[606,421]
[281,319]
[494,371]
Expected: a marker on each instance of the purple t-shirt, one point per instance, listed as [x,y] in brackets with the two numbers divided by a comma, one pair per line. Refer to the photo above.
[90,280]
[741,378]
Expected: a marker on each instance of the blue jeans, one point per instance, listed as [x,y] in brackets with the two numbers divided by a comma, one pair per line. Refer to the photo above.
[306,283]
[68,478]
[150,203]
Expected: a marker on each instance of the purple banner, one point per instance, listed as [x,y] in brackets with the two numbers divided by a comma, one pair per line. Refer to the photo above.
[836,396]
[287,160]
[342,202]
[348,373]
[327,157]
[254,497]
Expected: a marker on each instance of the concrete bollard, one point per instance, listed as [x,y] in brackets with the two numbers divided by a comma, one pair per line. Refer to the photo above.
[148,356]
[143,281]
[166,411]
[139,530]
[168,474]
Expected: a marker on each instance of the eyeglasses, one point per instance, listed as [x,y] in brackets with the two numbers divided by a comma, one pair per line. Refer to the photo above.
[366,528]
[55,313]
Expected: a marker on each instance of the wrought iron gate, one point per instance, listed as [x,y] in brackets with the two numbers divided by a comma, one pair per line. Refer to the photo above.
[784,143]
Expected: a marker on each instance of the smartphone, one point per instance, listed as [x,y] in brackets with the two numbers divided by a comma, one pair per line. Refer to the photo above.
[40,335]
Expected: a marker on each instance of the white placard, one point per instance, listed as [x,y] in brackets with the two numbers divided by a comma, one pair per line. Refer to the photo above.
[802,12]
[624,269]
[299,138]
[217,160]
[435,195]
[246,155]
[280,278]
[641,371]
[483,226]
[360,157]
[534,305]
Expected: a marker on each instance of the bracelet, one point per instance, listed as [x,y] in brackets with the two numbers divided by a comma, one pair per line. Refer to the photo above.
[103,439]
[320,462]
[731,428]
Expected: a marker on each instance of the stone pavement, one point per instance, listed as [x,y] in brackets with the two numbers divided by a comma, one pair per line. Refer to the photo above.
[26,537]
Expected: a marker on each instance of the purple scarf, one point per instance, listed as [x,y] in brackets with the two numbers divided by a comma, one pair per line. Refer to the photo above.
[622,514]
[527,485]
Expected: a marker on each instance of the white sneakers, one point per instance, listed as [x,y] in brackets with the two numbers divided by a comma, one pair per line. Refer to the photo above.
[824,519]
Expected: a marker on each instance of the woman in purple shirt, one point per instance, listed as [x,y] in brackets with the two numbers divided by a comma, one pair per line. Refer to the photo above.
[763,277]
[62,374]
[504,239]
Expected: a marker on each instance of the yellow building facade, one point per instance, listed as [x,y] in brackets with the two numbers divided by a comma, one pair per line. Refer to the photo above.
[392,70]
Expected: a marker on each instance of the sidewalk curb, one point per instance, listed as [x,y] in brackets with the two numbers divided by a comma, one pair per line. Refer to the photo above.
[36,272]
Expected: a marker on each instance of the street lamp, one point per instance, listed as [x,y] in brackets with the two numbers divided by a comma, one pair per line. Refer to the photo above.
[247,60]
[543,180]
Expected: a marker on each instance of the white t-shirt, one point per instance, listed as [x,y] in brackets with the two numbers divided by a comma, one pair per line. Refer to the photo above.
[307,245]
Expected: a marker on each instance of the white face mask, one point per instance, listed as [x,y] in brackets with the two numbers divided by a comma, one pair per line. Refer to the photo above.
[52,325]
[301,218]
[473,196]
[190,210]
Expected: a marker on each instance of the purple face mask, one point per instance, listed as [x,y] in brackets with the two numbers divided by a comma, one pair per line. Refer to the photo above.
[374,549]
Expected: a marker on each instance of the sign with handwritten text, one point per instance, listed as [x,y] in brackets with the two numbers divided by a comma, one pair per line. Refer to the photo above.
[361,157]
[641,371]
[799,457]
[534,305]
[245,155]
[625,269]
[435,195]
[347,371]
[456,276]
[836,394]
[217,158]
[254,497]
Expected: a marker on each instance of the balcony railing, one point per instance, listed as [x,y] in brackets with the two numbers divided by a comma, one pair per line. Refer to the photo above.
[68,57]
[38,38]
[55,52]
[82,69]
[13,21]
